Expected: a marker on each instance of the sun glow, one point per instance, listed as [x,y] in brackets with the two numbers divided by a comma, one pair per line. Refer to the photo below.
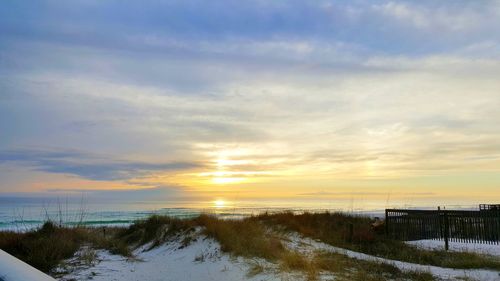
[224,162]
[223,180]
[219,203]
[232,164]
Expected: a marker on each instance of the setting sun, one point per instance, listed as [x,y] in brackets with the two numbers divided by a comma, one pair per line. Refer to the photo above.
[219,203]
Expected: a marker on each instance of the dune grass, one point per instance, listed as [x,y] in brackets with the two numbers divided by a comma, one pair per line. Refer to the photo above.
[43,248]
[245,237]
[335,229]
[155,229]
[46,247]
[295,261]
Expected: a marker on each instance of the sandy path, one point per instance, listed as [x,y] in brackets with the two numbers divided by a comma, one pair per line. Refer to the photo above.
[307,245]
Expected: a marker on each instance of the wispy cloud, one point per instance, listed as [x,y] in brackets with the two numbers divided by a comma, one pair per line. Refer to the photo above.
[88,166]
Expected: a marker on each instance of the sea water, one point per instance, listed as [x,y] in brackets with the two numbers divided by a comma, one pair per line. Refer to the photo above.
[21,214]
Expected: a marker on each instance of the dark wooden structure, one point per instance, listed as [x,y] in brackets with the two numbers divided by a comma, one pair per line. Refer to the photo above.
[475,226]
[489,207]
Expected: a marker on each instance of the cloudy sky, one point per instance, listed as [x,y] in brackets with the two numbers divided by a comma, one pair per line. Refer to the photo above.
[289,99]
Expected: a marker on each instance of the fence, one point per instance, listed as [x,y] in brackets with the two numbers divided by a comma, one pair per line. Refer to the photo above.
[481,226]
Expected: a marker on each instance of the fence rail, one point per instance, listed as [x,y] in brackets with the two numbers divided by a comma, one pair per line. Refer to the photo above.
[481,226]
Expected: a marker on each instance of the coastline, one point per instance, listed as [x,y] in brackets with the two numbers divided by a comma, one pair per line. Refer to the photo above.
[265,247]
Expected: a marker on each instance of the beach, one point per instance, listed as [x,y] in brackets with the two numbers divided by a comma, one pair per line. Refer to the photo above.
[269,246]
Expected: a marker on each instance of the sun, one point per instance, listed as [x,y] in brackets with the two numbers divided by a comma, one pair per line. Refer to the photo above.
[219,203]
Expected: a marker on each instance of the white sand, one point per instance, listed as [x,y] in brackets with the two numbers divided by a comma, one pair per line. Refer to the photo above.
[201,260]
[486,249]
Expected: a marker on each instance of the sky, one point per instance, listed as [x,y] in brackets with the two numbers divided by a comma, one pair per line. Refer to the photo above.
[251,99]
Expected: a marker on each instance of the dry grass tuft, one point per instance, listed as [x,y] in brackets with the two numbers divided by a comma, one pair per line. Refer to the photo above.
[247,238]
[340,229]
[156,229]
[294,261]
[256,267]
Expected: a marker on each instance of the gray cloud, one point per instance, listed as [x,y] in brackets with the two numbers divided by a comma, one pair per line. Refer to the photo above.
[88,165]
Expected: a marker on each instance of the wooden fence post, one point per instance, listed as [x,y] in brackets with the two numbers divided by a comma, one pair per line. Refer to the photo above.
[498,225]
[440,223]
[446,230]
[386,223]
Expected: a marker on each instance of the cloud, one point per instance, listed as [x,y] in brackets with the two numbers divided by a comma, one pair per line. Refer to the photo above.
[87,165]
[330,90]
[461,17]
[178,28]
[161,193]
[311,121]
[353,194]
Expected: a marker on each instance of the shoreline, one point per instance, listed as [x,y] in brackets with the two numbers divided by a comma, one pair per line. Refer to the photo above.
[282,243]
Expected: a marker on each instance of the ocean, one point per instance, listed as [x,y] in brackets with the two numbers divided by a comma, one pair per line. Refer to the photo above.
[21,214]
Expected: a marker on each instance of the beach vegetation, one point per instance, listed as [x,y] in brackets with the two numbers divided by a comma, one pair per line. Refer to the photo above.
[44,248]
[355,233]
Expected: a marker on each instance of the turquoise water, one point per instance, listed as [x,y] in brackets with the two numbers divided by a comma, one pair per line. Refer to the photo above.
[21,214]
